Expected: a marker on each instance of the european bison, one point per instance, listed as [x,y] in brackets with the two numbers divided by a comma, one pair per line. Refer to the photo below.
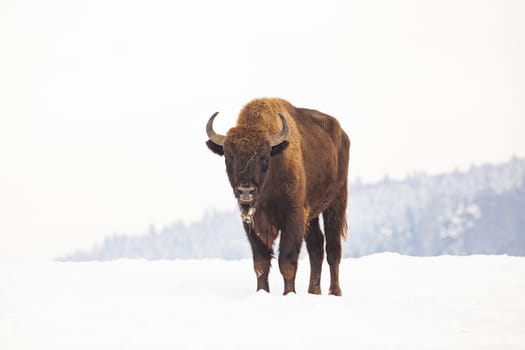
[286,166]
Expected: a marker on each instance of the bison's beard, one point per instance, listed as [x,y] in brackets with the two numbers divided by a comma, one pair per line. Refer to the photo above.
[247,214]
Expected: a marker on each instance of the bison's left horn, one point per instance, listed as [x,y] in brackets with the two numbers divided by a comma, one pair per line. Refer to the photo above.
[283,135]
[214,137]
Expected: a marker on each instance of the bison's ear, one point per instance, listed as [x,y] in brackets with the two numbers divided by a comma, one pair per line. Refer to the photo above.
[279,148]
[215,148]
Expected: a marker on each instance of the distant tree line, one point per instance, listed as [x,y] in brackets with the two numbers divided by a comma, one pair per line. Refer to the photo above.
[480,211]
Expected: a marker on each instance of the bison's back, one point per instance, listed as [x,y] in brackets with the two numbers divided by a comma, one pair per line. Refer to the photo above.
[325,151]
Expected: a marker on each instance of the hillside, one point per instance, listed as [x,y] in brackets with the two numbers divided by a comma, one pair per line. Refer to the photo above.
[480,211]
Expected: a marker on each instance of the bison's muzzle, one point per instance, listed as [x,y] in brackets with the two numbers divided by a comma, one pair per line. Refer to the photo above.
[246,199]
[246,194]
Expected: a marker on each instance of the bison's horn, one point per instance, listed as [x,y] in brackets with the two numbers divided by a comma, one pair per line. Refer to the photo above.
[283,135]
[214,137]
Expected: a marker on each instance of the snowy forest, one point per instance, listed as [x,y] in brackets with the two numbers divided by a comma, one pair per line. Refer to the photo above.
[480,211]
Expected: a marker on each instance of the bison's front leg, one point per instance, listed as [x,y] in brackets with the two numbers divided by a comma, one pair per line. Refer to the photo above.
[262,256]
[291,240]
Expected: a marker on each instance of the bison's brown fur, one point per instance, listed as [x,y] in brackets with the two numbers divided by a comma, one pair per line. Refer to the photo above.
[306,176]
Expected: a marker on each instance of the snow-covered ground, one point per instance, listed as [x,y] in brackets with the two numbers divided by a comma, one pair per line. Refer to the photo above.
[390,302]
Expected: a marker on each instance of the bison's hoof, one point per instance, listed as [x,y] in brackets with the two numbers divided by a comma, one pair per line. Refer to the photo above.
[263,289]
[336,291]
[262,292]
[314,290]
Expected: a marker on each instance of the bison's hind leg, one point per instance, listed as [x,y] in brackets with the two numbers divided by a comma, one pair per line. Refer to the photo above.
[335,229]
[315,245]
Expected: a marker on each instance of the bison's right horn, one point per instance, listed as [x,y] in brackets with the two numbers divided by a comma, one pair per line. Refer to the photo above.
[214,137]
[283,135]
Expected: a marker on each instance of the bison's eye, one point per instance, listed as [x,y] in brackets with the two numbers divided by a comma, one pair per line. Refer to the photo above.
[264,164]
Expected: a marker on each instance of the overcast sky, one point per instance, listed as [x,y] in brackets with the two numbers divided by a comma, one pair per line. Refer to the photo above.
[103,103]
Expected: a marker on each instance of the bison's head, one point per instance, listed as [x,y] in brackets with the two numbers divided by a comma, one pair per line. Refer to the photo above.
[247,152]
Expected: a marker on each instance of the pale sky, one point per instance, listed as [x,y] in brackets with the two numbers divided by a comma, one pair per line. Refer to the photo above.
[103,104]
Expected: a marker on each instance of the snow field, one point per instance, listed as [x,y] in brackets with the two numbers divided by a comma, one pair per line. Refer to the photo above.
[390,302]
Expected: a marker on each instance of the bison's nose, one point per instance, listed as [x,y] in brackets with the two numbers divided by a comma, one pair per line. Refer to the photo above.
[246,193]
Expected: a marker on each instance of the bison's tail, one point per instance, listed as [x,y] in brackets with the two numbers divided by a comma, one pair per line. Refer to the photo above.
[335,221]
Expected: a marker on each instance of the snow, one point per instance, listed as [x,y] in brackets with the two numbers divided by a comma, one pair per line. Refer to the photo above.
[390,301]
